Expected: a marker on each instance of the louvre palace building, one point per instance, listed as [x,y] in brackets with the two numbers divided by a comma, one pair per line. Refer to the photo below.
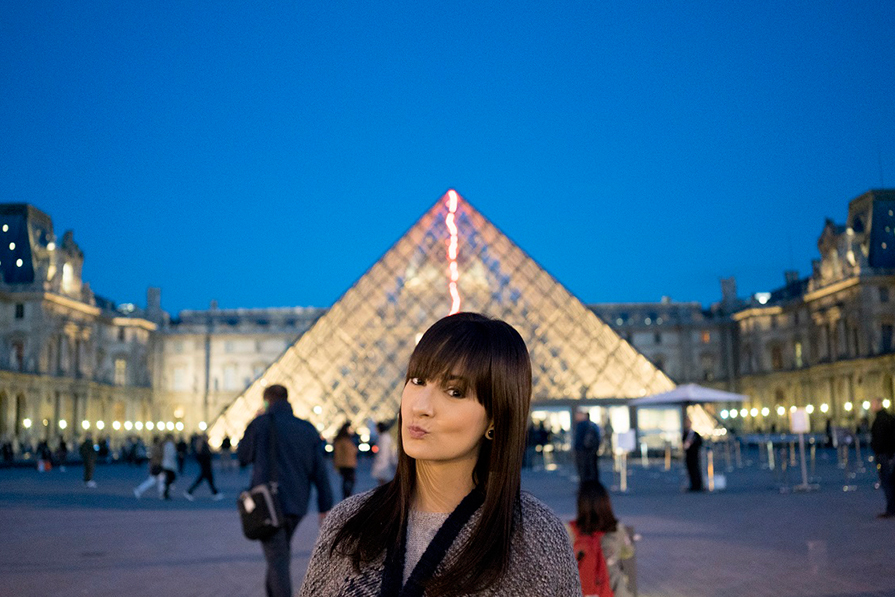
[72,361]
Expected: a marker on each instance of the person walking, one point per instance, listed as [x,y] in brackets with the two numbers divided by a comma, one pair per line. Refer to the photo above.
[226,454]
[882,442]
[203,457]
[88,455]
[586,446]
[454,520]
[182,449]
[692,444]
[169,464]
[345,458]
[156,476]
[299,464]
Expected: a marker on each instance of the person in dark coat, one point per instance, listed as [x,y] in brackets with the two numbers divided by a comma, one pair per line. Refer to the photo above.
[88,455]
[299,464]
[203,457]
[882,442]
[692,444]
[586,446]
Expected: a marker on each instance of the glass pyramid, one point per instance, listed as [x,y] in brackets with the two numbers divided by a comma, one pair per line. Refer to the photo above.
[351,363]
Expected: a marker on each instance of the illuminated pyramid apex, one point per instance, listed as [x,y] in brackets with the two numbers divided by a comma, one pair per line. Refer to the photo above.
[351,363]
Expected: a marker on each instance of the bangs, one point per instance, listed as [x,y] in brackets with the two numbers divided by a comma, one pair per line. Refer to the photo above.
[457,351]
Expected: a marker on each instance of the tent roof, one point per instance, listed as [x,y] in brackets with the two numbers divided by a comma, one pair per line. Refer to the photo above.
[691,393]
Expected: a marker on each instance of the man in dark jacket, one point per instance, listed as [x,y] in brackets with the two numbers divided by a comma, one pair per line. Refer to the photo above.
[882,442]
[299,463]
[586,443]
[692,441]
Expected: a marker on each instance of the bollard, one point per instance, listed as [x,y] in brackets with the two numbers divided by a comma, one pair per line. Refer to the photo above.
[644,457]
[770,446]
[813,465]
[623,481]
[710,454]
[762,458]
[667,456]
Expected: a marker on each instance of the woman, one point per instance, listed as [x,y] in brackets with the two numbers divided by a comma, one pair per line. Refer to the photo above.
[383,469]
[345,458]
[601,543]
[453,521]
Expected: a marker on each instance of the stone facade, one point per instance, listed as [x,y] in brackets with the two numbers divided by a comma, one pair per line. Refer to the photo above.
[825,342]
[69,360]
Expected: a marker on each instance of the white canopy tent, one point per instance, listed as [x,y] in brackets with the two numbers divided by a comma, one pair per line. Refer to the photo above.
[689,394]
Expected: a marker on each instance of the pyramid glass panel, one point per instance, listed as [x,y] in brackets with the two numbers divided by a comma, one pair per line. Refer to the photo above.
[351,363]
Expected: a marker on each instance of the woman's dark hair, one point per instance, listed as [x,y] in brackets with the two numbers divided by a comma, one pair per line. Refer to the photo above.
[491,357]
[595,509]
[343,431]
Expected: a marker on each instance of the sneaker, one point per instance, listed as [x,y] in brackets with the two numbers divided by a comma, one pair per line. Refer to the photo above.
[136,493]
[91,483]
[218,496]
[188,496]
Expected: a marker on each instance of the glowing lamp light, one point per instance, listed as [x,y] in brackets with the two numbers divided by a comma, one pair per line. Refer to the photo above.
[179,425]
[809,409]
[848,406]
[63,424]
[781,410]
[128,425]
[169,425]
[160,425]
[116,425]
[724,414]
[26,423]
[733,413]
[51,246]
[149,425]
[753,412]
[824,407]
[317,409]
[138,425]
[765,411]
[744,412]
[364,447]
[328,448]
[452,201]
[865,405]
[792,408]
[365,438]
[12,246]
[85,424]
[202,426]
[100,425]
[887,403]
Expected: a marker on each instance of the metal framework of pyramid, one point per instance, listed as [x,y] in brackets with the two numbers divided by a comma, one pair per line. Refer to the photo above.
[351,363]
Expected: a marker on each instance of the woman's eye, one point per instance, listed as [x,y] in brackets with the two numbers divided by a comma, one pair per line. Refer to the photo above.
[454,393]
[418,381]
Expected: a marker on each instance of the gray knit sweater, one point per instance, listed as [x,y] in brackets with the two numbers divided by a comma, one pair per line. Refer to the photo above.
[541,559]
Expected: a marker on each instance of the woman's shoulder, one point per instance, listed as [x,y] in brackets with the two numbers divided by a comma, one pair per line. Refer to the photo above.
[347,507]
[534,511]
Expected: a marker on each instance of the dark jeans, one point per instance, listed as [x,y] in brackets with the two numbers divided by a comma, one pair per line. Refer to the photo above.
[88,469]
[694,471]
[205,474]
[886,469]
[278,553]
[588,465]
[348,476]
[169,479]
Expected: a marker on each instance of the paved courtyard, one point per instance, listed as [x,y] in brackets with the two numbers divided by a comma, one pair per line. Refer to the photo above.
[60,538]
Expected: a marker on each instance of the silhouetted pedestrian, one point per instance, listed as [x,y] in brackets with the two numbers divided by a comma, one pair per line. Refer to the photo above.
[203,457]
[88,455]
[345,458]
[692,443]
[882,442]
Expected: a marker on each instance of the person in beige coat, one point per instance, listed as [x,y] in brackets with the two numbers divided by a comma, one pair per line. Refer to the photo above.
[345,458]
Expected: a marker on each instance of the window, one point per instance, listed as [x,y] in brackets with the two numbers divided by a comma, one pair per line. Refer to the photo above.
[884,294]
[886,339]
[120,372]
[657,338]
[20,311]
[706,336]
[121,334]
[179,381]
[776,358]
[230,377]
[797,354]
[178,346]
[228,347]
[17,355]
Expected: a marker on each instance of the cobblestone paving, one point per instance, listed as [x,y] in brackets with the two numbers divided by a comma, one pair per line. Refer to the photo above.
[60,538]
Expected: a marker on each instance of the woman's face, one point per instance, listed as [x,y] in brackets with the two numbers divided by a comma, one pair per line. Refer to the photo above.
[441,423]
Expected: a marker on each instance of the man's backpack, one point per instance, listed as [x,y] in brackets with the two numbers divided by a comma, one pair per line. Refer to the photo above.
[591,563]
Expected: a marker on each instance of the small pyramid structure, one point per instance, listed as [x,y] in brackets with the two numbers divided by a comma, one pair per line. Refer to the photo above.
[351,363]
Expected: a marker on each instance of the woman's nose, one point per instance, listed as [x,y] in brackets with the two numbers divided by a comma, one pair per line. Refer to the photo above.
[422,400]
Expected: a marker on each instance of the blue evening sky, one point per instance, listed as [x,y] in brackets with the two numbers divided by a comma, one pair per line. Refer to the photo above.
[267,153]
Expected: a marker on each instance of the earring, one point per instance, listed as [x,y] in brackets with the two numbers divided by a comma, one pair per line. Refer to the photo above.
[490,433]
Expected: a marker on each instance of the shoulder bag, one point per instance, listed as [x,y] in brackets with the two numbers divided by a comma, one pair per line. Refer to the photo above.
[259,507]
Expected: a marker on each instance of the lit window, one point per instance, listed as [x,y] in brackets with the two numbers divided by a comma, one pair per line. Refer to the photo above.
[120,372]
[706,337]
